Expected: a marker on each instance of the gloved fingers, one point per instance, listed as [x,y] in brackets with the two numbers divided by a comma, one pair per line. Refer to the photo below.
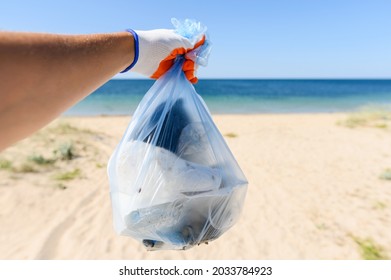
[190,76]
[188,66]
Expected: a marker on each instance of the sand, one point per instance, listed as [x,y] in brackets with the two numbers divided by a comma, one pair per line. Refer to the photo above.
[314,191]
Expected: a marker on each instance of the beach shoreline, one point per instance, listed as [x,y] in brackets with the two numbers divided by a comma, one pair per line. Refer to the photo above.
[315,190]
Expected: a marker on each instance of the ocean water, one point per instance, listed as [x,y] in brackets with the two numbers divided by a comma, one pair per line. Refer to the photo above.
[121,97]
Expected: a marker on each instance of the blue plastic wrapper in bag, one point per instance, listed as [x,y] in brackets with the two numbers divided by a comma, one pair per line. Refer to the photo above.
[174,182]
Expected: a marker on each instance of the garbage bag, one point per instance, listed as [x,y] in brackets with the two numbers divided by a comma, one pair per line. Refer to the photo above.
[174,182]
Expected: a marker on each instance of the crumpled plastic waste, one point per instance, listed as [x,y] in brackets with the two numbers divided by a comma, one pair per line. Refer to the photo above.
[174,182]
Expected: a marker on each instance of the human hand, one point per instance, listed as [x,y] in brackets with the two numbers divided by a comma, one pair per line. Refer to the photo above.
[156,50]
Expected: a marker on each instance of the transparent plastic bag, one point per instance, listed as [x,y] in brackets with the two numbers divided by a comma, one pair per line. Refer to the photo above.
[174,182]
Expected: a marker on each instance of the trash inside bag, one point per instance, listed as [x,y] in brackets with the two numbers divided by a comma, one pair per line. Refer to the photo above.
[174,182]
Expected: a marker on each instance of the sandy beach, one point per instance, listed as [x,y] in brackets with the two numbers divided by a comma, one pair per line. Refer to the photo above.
[318,189]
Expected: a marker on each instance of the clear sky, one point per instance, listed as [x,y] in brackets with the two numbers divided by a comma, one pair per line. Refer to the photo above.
[251,39]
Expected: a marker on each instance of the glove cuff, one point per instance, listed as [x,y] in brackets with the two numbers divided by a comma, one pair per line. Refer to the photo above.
[136,50]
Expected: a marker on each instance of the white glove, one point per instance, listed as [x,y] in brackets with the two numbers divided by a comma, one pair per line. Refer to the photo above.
[155,51]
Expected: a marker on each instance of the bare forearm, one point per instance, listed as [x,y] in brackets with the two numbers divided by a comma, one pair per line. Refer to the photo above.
[41,75]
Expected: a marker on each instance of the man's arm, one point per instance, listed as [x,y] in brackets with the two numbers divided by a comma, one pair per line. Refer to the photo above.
[41,75]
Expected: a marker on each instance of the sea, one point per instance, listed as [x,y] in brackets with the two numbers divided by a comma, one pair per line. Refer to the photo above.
[249,96]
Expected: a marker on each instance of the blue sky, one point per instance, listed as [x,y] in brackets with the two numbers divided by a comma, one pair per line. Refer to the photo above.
[251,39]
